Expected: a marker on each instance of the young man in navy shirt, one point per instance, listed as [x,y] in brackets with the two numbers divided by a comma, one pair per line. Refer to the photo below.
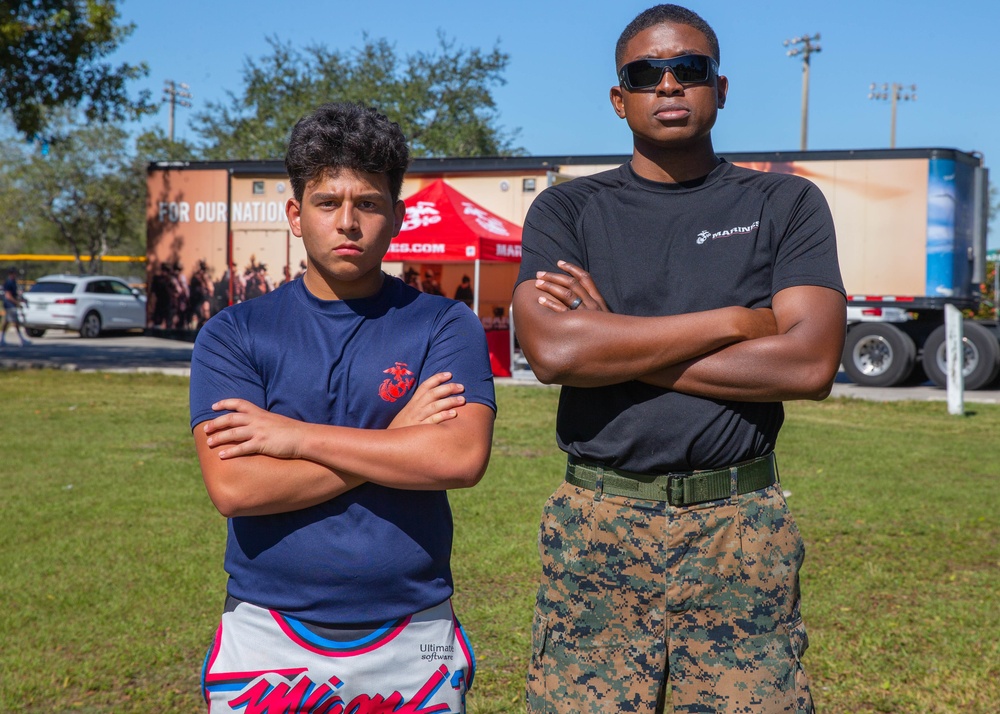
[330,418]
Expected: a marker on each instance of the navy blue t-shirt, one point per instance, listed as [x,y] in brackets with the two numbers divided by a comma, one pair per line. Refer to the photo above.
[735,237]
[373,553]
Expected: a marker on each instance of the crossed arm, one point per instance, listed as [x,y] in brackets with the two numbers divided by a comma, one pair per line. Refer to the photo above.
[255,462]
[791,351]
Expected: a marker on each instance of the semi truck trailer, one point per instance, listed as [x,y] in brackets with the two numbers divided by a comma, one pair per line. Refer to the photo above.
[911,238]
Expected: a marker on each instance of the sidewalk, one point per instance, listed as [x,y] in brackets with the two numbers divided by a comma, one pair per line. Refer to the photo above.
[118,353]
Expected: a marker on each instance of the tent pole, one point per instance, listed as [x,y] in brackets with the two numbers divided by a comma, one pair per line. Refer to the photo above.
[475,292]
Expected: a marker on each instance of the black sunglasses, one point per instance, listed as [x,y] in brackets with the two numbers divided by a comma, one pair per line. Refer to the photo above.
[687,69]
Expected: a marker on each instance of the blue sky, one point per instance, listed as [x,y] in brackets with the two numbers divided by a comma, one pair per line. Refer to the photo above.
[562,63]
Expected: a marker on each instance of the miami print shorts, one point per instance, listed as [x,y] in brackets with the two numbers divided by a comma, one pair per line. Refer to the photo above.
[262,661]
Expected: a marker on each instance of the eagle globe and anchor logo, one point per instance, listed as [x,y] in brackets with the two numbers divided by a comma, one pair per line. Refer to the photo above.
[706,235]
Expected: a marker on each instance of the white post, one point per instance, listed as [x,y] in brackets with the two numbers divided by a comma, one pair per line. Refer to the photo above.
[956,359]
[475,289]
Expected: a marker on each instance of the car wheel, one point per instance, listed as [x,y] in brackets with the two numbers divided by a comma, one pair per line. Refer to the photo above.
[91,326]
[34,331]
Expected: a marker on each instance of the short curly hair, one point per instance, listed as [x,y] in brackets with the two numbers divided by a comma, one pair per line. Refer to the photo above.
[660,15]
[346,135]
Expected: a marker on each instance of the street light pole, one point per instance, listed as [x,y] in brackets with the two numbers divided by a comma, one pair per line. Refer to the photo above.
[176,94]
[804,46]
[893,94]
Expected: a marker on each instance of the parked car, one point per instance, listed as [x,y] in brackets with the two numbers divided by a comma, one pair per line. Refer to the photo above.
[88,304]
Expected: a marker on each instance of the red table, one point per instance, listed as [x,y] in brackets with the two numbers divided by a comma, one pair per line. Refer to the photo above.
[498,342]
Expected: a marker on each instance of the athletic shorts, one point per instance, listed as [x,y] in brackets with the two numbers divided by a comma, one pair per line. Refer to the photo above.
[13,315]
[262,661]
[646,607]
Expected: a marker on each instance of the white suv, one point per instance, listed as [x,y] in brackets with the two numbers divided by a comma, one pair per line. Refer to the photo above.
[88,304]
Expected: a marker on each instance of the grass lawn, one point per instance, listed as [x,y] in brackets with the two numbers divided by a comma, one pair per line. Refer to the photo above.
[111,575]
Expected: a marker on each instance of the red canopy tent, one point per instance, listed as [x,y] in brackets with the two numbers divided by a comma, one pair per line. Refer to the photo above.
[444,226]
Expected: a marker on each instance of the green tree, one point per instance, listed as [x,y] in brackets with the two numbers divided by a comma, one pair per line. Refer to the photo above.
[52,54]
[88,194]
[442,100]
[988,306]
[22,229]
[155,145]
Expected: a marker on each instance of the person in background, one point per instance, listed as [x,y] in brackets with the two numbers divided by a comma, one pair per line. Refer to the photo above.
[430,284]
[463,293]
[201,296]
[265,278]
[12,309]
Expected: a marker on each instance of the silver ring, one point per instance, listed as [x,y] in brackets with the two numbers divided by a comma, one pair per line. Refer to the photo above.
[577,301]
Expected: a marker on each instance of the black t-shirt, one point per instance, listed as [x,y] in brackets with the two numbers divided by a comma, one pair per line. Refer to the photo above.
[735,237]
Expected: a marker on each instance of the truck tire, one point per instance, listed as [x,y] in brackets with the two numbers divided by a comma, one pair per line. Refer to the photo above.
[980,354]
[877,354]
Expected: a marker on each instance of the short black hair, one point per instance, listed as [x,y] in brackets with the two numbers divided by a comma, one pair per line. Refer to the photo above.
[664,14]
[346,135]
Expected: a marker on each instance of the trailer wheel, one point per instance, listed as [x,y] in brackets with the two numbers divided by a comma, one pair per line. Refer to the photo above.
[878,355]
[980,356]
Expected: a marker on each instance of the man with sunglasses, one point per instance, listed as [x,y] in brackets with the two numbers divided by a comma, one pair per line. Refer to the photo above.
[678,300]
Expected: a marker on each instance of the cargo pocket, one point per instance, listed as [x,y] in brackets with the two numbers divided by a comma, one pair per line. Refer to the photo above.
[799,641]
[584,674]
[761,673]
[536,685]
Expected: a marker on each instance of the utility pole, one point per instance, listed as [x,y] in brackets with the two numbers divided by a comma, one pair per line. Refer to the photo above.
[177,95]
[894,94]
[804,46]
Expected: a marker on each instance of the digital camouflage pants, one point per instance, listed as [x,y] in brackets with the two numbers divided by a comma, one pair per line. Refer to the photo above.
[645,607]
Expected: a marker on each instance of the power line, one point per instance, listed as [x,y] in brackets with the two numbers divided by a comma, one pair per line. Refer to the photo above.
[804,46]
[177,95]
[895,93]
